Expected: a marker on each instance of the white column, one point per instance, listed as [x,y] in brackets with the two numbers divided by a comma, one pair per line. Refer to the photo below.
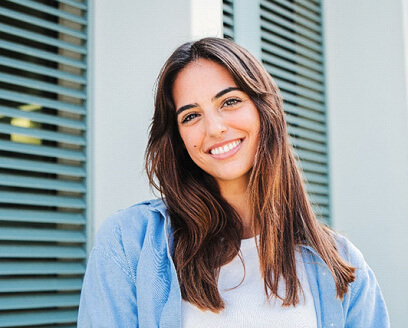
[206,18]
[130,42]
[366,66]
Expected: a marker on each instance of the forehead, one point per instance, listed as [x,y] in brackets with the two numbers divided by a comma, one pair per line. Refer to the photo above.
[201,78]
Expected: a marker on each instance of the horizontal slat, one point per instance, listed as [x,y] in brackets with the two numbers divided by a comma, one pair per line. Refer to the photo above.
[29,99]
[39,284]
[36,166]
[313,167]
[38,69]
[294,57]
[37,251]
[298,35]
[16,215]
[51,10]
[73,3]
[42,39]
[303,102]
[41,200]
[227,8]
[40,268]
[42,150]
[308,145]
[20,302]
[267,5]
[33,52]
[320,210]
[291,67]
[12,180]
[228,33]
[25,319]
[43,118]
[228,21]
[292,46]
[298,9]
[319,200]
[306,134]
[304,112]
[294,88]
[42,234]
[42,134]
[313,6]
[296,83]
[317,178]
[303,123]
[312,156]
[317,189]
[42,23]
[39,85]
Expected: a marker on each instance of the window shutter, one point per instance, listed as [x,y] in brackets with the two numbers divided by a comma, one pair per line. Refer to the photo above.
[292,52]
[228,18]
[43,161]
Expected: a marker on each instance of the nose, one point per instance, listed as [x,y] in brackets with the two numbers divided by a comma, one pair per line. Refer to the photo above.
[215,125]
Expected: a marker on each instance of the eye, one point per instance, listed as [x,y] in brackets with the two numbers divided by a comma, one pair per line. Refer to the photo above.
[189,117]
[231,102]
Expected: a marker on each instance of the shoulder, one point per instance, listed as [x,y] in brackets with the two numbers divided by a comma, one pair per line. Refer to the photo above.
[350,254]
[135,218]
[349,251]
[364,290]
[346,249]
[125,231]
[364,303]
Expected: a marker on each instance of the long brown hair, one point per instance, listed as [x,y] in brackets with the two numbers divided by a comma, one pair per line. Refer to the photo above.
[207,230]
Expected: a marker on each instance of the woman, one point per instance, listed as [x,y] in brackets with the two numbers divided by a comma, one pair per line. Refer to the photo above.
[234,242]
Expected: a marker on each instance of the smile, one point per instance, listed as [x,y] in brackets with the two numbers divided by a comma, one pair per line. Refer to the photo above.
[225,148]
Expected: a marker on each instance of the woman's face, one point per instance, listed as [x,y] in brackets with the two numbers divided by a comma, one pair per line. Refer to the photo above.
[219,123]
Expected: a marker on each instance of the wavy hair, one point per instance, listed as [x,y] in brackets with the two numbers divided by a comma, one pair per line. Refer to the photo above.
[207,230]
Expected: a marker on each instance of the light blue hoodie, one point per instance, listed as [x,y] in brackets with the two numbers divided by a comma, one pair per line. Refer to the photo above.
[131,281]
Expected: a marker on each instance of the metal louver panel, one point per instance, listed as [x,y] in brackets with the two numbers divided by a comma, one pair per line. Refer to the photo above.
[290,34]
[228,18]
[43,160]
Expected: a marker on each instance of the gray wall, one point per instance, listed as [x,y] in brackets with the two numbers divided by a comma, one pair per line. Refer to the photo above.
[366,62]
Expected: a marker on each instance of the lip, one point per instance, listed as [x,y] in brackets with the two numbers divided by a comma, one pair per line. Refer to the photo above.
[228,153]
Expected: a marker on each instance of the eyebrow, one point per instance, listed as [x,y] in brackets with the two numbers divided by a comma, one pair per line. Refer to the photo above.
[218,95]
[223,92]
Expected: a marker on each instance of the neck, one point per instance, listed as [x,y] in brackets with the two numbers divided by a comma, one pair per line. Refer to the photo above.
[236,194]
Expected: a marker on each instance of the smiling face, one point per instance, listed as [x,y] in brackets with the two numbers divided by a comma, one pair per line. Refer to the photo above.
[218,123]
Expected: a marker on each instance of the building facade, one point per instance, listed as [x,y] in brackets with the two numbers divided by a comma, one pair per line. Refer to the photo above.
[76,99]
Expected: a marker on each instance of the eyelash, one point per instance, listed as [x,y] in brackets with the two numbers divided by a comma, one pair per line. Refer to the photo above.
[189,117]
[235,100]
[226,103]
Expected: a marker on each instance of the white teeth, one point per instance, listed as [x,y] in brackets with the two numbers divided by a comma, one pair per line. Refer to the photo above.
[226,148]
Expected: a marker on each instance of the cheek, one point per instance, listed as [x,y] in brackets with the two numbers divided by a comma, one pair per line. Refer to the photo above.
[191,139]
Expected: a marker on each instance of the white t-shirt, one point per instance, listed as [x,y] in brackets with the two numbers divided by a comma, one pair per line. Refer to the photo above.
[247,305]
